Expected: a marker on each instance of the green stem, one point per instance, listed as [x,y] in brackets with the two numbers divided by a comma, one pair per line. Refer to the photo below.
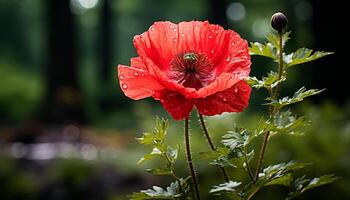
[189,159]
[248,169]
[211,144]
[173,174]
[273,110]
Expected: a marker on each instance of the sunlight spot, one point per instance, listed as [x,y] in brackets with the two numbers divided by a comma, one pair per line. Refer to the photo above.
[88,4]
[303,10]
[260,27]
[235,11]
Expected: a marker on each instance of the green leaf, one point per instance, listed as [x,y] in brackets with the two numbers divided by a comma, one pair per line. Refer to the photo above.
[155,153]
[279,174]
[225,187]
[270,81]
[319,181]
[160,171]
[172,153]
[236,139]
[303,55]
[212,155]
[303,184]
[275,41]
[281,168]
[285,180]
[157,136]
[285,122]
[268,49]
[259,49]
[171,192]
[298,96]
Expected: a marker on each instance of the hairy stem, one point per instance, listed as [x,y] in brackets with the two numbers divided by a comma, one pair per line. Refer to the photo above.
[189,159]
[273,110]
[211,144]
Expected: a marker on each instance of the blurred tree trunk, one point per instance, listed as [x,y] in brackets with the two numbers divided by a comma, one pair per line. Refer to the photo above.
[106,101]
[218,12]
[106,40]
[63,99]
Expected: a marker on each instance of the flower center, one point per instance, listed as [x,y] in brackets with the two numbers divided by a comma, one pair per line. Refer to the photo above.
[191,69]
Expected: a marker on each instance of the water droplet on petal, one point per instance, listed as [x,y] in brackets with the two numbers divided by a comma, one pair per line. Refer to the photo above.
[210,36]
[182,34]
[121,77]
[152,28]
[175,40]
[142,74]
[232,44]
[224,99]
[175,29]
[235,90]
[124,86]
[216,32]
[212,51]
[136,74]
[228,59]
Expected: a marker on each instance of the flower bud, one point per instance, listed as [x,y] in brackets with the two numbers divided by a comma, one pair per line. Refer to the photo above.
[279,21]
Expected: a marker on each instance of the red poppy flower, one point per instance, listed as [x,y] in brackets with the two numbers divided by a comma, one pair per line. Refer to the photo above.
[189,64]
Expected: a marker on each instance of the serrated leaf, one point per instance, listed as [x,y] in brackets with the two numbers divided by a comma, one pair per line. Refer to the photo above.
[275,41]
[285,122]
[319,181]
[160,171]
[157,136]
[270,81]
[155,153]
[298,96]
[276,172]
[172,153]
[269,49]
[171,192]
[280,168]
[303,184]
[283,180]
[303,55]
[279,174]
[236,139]
[225,187]
[259,49]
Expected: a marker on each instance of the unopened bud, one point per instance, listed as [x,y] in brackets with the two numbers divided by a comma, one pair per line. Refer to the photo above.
[279,21]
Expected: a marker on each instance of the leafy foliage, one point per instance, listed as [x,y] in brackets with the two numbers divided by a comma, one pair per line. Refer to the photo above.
[173,191]
[268,82]
[303,55]
[270,48]
[225,187]
[234,153]
[303,184]
[168,155]
[298,96]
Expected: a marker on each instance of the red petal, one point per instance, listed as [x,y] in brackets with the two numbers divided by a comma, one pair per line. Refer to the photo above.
[137,83]
[236,58]
[158,43]
[177,105]
[234,99]
[221,83]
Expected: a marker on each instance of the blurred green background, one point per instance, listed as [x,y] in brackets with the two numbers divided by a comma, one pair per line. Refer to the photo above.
[67,131]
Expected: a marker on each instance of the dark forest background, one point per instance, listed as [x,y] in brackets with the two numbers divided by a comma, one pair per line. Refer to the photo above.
[59,92]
